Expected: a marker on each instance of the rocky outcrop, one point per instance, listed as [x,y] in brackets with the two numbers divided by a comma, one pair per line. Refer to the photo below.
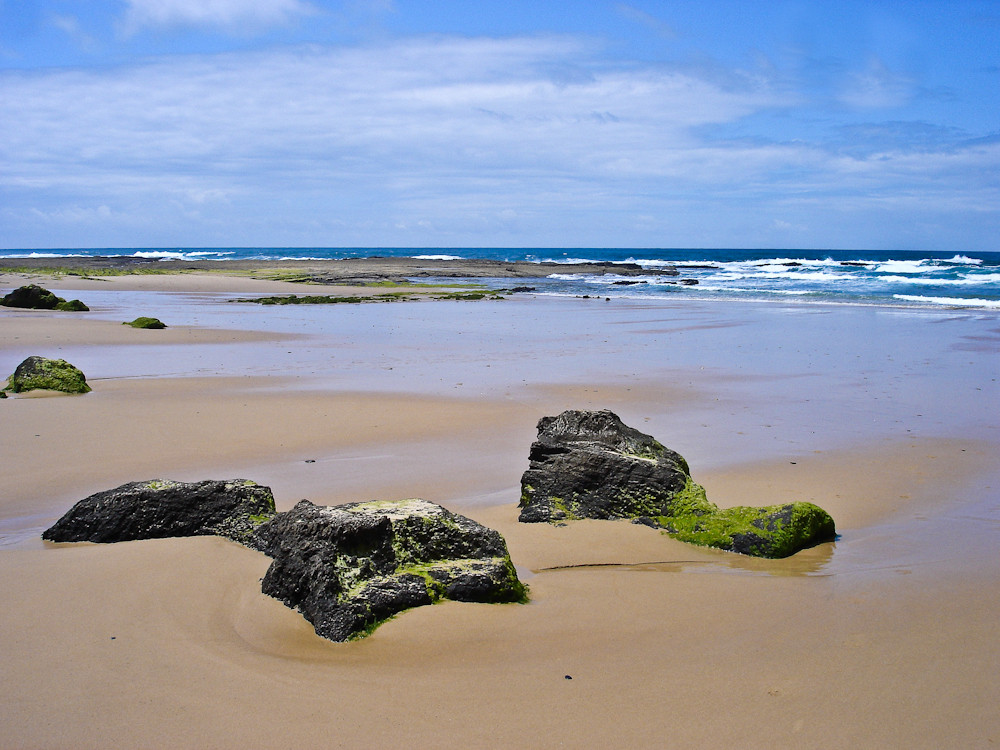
[346,568]
[41,373]
[350,567]
[589,464]
[160,508]
[34,297]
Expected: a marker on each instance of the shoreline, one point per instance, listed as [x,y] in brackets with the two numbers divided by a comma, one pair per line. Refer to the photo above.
[884,637]
[335,271]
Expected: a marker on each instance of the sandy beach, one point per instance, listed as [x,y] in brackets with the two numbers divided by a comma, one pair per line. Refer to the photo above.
[884,417]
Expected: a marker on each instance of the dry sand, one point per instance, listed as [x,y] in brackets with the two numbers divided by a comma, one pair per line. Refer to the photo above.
[885,638]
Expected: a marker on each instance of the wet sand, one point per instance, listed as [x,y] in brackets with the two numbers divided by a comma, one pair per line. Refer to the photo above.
[885,637]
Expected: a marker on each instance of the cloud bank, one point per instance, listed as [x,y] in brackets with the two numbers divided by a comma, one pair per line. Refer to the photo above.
[453,141]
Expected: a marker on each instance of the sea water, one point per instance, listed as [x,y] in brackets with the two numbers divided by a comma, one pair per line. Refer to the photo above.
[895,278]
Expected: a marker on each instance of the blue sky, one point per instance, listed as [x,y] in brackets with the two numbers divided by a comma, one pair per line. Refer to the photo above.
[157,123]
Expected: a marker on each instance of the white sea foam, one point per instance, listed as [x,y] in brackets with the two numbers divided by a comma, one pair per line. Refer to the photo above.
[182,254]
[903,266]
[161,254]
[648,263]
[961,260]
[950,301]
[970,280]
[437,257]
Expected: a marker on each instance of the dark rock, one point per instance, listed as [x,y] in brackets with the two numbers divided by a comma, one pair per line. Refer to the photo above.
[158,509]
[689,282]
[588,464]
[40,373]
[34,297]
[143,322]
[350,567]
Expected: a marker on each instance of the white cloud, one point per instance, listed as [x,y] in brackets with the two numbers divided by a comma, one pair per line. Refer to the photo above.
[458,140]
[877,87]
[215,13]
[648,20]
[70,26]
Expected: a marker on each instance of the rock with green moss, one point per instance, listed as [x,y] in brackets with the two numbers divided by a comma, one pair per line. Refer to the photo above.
[589,464]
[34,297]
[144,322]
[41,373]
[769,531]
[159,508]
[348,568]
[73,305]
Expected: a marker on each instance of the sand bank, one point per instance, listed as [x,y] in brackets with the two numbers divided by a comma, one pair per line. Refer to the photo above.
[883,638]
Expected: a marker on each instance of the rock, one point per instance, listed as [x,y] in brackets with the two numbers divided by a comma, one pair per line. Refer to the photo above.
[143,322]
[34,297]
[74,305]
[589,464]
[39,373]
[159,508]
[348,568]
[31,297]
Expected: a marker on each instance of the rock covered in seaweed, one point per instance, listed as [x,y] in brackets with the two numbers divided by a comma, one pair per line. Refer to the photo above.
[589,464]
[41,373]
[157,509]
[348,568]
[146,322]
[34,297]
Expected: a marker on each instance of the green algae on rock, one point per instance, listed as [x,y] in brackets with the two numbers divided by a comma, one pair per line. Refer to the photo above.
[34,297]
[589,464]
[349,568]
[770,531]
[41,373]
[144,322]
[161,508]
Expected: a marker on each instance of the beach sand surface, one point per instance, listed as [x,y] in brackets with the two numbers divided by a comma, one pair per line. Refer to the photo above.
[883,638]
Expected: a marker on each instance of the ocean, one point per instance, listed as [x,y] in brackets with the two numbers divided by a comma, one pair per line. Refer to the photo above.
[885,278]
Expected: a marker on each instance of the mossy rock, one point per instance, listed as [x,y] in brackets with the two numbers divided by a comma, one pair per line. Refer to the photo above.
[771,531]
[349,568]
[588,464]
[34,297]
[40,373]
[74,305]
[143,322]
